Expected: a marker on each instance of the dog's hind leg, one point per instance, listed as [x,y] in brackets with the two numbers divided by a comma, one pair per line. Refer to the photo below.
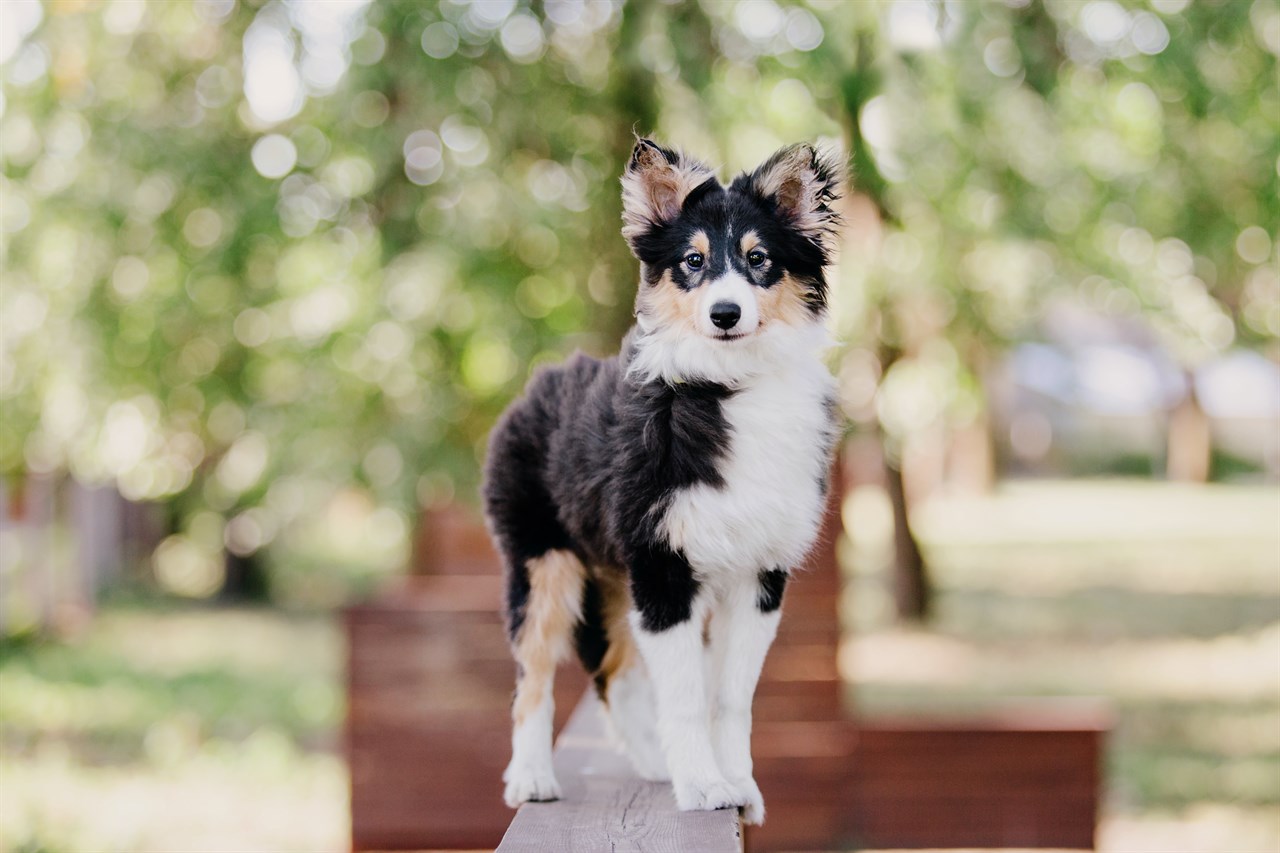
[633,714]
[541,640]
[608,652]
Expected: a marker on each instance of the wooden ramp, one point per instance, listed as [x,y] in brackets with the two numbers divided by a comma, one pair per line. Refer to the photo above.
[606,806]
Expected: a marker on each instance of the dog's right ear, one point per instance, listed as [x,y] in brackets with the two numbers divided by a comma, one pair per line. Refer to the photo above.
[655,185]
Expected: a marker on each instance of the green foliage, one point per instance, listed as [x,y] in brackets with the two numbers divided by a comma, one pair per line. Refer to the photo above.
[107,695]
[263,260]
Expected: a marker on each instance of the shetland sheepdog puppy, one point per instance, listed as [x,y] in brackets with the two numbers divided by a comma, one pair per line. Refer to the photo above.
[650,506]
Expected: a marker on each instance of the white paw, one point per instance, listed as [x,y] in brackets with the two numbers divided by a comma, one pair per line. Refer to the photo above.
[707,796]
[527,785]
[753,808]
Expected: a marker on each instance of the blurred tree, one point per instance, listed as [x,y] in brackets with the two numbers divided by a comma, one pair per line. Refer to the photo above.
[265,251]
[1050,151]
[1164,197]
[281,264]
[853,62]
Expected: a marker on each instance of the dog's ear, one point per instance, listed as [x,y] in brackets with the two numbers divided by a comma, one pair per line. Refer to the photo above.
[655,185]
[803,183]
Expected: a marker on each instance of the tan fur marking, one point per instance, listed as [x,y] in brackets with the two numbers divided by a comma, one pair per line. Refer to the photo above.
[615,598]
[665,305]
[701,243]
[784,303]
[554,607]
[748,242]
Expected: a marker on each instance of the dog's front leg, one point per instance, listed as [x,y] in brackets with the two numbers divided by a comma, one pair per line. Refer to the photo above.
[741,634]
[672,648]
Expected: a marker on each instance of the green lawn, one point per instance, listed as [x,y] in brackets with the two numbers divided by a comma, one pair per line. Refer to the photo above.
[167,728]
[1163,599]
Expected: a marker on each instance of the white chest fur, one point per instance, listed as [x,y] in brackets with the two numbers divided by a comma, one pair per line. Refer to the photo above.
[767,513]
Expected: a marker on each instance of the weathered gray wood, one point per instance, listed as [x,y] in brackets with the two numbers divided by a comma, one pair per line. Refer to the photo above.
[606,807]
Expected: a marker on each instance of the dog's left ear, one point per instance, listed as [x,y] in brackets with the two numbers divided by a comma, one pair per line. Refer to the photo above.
[803,183]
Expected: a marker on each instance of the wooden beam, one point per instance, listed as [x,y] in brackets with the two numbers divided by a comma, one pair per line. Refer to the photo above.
[606,806]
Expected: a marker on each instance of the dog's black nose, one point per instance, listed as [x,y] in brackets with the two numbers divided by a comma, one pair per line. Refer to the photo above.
[725,315]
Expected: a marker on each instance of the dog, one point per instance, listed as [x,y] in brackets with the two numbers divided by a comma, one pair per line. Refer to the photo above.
[649,507]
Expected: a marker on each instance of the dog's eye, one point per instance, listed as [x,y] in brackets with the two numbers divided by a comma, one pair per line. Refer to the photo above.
[694,260]
[755,257]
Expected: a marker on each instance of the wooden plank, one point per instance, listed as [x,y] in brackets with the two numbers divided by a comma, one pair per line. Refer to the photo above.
[428,724]
[416,595]
[1026,714]
[607,807]
[1003,779]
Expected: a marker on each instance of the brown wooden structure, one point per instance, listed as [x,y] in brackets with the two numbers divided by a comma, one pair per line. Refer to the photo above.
[429,689]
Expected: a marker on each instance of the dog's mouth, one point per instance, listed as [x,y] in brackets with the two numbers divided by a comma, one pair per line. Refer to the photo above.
[730,336]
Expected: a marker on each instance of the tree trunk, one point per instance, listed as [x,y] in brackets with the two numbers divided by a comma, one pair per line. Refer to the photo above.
[912,591]
[1189,454]
[973,456]
[859,83]
[246,579]
[974,463]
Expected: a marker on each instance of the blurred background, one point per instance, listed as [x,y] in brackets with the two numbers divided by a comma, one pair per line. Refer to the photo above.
[271,270]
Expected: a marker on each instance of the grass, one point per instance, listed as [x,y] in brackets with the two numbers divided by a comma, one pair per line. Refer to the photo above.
[1164,600]
[174,729]
[168,728]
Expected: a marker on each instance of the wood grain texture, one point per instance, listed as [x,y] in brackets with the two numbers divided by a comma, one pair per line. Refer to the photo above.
[606,807]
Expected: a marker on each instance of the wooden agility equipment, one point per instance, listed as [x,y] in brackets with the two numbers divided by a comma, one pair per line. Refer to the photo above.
[429,683]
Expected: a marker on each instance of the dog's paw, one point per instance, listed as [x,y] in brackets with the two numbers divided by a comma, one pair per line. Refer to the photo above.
[525,785]
[753,808]
[707,796]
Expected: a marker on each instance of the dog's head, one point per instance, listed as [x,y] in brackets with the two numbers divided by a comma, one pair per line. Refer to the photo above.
[727,273]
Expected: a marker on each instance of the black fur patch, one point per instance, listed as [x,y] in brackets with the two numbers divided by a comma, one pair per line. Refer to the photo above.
[772,584]
[662,586]
[709,186]
[682,436]
[589,636]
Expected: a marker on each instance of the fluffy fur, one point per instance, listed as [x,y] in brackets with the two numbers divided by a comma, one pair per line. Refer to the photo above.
[650,506]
